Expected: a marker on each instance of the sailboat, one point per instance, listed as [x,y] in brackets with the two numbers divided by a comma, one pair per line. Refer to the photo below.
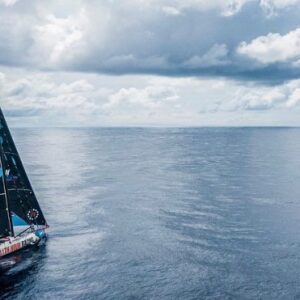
[22,223]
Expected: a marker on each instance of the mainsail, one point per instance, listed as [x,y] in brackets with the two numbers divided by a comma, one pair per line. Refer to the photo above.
[16,193]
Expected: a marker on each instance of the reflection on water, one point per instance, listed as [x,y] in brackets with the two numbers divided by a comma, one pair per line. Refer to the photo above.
[162,213]
[18,271]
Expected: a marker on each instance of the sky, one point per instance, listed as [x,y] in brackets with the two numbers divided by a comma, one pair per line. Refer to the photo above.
[150,62]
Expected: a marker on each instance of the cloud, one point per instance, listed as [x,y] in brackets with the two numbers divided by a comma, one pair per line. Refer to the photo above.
[71,100]
[272,7]
[279,3]
[149,100]
[226,8]
[58,41]
[170,10]
[273,47]
[161,37]
[178,7]
[8,2]
[294,98]
[41,94]
[203,62]
[264,98]
[217,55]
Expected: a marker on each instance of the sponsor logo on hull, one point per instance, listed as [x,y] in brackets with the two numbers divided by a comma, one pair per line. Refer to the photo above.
[11,246]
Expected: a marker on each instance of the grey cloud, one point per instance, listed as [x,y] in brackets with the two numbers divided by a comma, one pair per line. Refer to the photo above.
[174,38]
[216,56]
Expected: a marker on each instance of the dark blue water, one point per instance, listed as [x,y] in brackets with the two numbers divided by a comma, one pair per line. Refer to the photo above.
[162,214]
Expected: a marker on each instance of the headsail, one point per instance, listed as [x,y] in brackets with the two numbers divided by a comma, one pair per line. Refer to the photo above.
[22,200]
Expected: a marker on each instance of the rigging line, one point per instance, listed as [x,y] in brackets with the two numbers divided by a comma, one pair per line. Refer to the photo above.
[24,231]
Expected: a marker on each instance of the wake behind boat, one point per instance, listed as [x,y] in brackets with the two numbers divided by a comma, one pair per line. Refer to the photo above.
[22,223]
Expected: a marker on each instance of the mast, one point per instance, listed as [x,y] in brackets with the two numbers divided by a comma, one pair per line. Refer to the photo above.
[11,228]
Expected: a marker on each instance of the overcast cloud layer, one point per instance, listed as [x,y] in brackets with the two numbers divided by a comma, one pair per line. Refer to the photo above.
[192,62]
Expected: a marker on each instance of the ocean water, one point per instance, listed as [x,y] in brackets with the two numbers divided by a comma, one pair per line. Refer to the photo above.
[196,213]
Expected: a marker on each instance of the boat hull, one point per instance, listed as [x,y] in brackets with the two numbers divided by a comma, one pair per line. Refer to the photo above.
[13,244]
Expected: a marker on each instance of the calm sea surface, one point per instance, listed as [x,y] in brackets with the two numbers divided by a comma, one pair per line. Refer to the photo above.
[162,214]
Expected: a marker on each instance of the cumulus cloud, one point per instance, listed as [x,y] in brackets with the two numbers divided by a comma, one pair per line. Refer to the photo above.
[294,98]
[41,94]
[58,41]
[149,99]
[263,98]
[273,47]
[140,100]
[197,58]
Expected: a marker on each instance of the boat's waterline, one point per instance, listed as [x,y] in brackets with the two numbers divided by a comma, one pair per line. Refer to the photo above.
[10,245]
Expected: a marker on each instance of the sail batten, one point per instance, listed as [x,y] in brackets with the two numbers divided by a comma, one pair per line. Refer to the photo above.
[26,190]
